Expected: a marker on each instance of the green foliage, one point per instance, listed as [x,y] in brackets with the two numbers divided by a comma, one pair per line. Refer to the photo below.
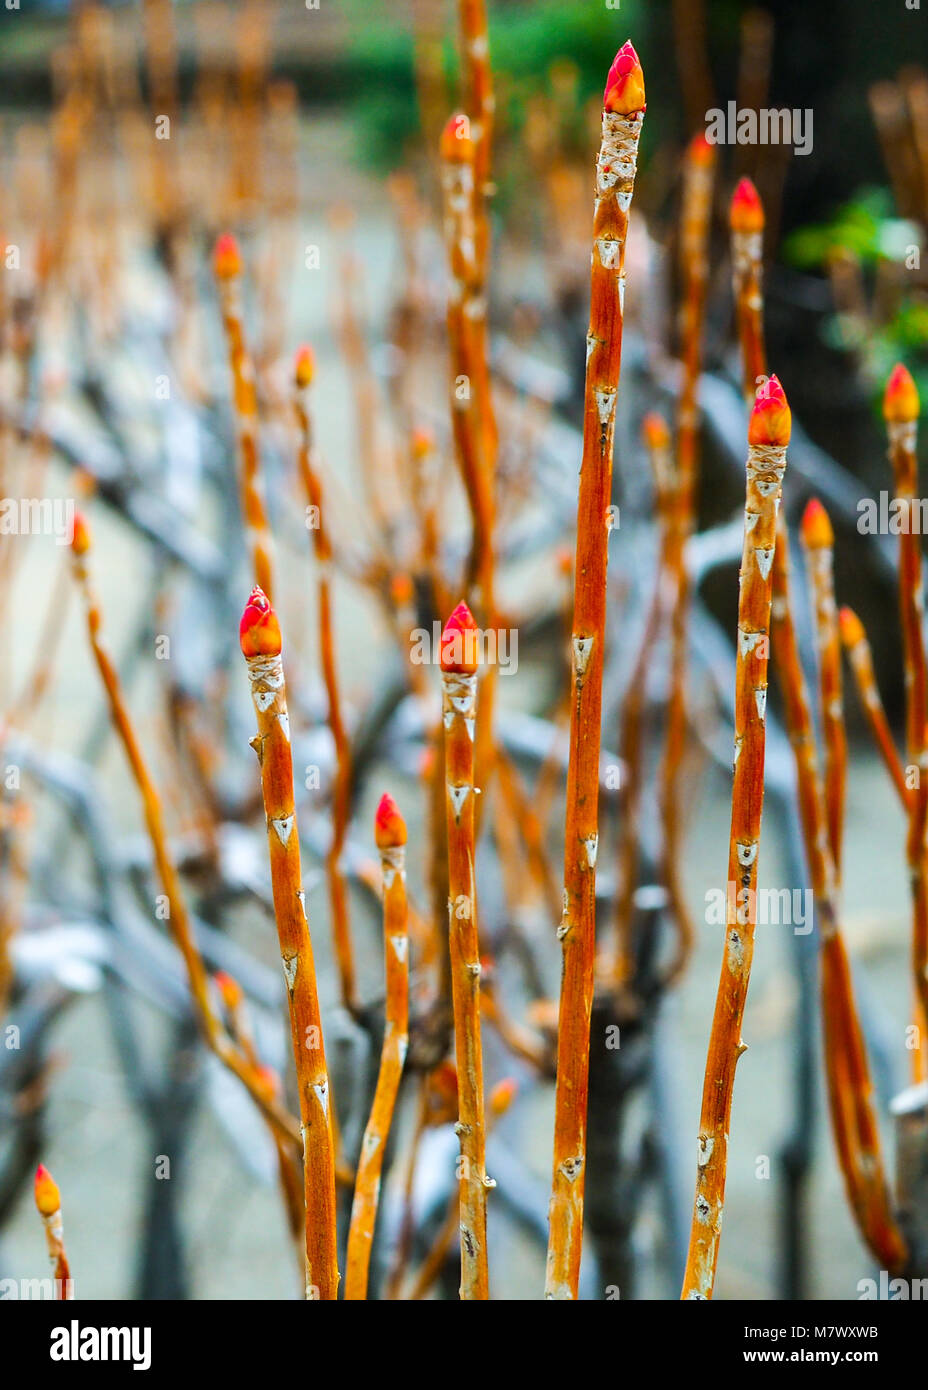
[865,226]
[524,42]
[867,229]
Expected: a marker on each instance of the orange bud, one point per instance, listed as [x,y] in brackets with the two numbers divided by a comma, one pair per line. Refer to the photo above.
[230,990]
[268,1080]
[900,400]
[459,649]
[502,1096]
[654,431]
[456,146]
[625,83]
[259,630]
[815,528]
[747,211]
[389,826]
[401,589]
[304,366]
[852,629]
[700,150]
[47,1196]
[771,418]
[81,540]
[227,258]
[565,560]
[422,443]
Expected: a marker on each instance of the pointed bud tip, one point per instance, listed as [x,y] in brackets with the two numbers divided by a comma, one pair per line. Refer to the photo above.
[455,145]
[230,990]
[771,418]
[304,366]
[80,536]
[625,83]
[422,443]
[389,826]
[815,527]
[654,431]
[900,399]
[47,1196]
[459,649]
[701,150]
[747,211]
[259,630]
[401,589]
[227,258]
[852,629]
[502,1096]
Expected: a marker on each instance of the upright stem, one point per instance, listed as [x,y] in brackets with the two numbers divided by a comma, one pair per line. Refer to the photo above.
[901,410]
[747,245]
[48,1202]
[818,541]
[768,436]
[696,217]
[227,264]
[459,711]
[260,637]
[615,180]
[341,801]
[391,843]
[850,1090]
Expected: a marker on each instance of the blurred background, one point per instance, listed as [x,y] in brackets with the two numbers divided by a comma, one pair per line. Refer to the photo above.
[312,133]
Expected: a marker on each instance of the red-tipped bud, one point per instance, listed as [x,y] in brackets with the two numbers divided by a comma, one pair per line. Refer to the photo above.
[771,419]
[304,366]
[227,258]
[502,1096]
[654,431]
[80,536]
[747,211]
[268,1080]
[565,561]
[259,630]
[460,642]
[401,589]
[230,990]
[47,1196]
[456,145]
[900,400]
[852,629]
[422,443]
[700,150]
[625,84]
[389,826]
[815,527]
